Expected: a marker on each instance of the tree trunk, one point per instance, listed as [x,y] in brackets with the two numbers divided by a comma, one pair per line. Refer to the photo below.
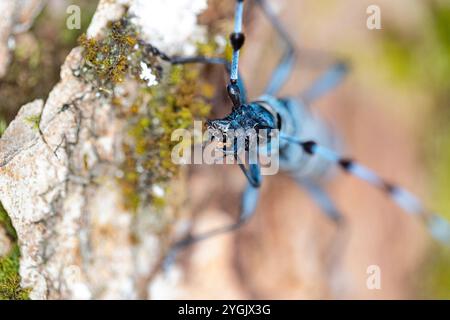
[59,161]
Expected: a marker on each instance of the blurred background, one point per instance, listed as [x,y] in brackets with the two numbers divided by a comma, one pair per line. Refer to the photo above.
[392,112]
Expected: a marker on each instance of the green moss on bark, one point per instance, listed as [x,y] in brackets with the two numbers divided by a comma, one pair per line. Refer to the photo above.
[110,60]
[179,98]
[173,104]
[10,288]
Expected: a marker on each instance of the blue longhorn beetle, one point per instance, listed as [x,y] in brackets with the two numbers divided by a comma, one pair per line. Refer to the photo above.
[302,137]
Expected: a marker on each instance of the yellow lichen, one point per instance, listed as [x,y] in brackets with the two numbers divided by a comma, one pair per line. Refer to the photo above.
[174,104]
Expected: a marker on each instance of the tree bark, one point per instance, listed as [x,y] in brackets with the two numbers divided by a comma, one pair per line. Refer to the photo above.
[58,166]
